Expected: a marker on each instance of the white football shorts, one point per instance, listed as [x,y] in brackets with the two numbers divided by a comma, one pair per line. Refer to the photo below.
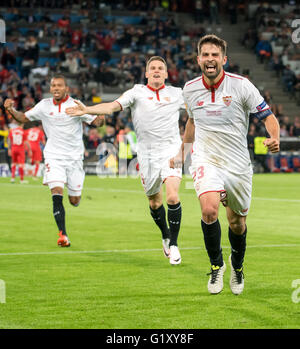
[235,189]
[154,172]
[61,172]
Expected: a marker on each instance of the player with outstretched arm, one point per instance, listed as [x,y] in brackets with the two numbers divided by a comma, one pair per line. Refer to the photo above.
[64,149]
[155,112]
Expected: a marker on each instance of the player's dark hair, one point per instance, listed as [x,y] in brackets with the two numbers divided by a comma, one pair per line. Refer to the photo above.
[212,39]
[156,58]
[59,76]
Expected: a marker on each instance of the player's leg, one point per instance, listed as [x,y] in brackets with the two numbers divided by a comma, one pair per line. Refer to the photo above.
[237,210]
[36,159]
[21,163]
[55,177]
[74,199]
[174,207]
[75,180]
[152,183]
[174,216]
[158,213]
[15,160]
[209,184]
[237,233]
[57,189]
[13,171]
[211,228]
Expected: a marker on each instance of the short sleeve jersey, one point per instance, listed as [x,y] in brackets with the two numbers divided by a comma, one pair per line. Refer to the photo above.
[221,117]
[155,115]
[34,136]
[17,137]
[64,132]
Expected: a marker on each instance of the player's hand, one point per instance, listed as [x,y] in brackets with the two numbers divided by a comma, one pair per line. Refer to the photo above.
[272,144]
[78,110]
[176,161]
[9,104]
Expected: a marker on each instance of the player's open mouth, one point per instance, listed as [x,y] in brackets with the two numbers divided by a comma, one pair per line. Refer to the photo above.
[210,68]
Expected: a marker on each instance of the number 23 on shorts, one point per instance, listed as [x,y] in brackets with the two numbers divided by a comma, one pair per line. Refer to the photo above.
[199,173]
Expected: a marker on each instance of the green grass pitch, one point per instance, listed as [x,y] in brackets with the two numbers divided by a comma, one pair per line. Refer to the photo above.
[114,276]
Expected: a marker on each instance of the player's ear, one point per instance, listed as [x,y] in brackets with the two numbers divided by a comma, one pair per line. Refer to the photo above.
[198,60]
[224,60]
[146,74]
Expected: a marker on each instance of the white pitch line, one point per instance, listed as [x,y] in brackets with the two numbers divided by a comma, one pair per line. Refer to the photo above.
[142,192]
[129,251]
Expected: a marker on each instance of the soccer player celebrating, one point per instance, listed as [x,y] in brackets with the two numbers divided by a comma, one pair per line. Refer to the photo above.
[64,149]
[155,112]
[16,149]
[35,137]
[219,105]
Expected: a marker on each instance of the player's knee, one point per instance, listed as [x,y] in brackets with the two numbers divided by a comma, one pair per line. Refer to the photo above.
[209,214]
[172,199]
[238,227]
[74,200]
[155,204]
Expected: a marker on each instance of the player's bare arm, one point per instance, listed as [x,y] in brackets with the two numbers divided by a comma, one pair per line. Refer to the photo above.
[97,109]
[188,139]
[17,115]
[273,128]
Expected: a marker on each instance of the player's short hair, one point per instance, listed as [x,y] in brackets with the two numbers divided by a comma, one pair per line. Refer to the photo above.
[212,39]
[156,58]
[59,76]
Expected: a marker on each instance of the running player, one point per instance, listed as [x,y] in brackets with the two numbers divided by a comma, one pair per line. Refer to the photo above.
[64,149]
[16,149]
[155,112]
[36,137]
[219,105]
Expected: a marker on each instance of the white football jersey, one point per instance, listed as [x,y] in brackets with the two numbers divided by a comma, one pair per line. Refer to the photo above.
[64,132]
[221,117]
[155,115]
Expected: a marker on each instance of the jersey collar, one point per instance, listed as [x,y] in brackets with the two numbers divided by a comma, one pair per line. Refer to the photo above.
[156,89]
[61,101]
[215,86]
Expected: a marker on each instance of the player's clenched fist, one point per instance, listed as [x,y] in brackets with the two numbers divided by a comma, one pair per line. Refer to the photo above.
[9,104]
[272,144]
[78,110]
[176,161]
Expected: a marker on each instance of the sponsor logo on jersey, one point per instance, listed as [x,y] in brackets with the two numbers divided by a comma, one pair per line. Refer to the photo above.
[51,113]
[214,112]
[200,103]
[227,100]
[150,98]
[261,106]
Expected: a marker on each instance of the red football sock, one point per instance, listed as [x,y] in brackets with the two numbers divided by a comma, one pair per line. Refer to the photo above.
[21,172]
[36,169]
[13,171]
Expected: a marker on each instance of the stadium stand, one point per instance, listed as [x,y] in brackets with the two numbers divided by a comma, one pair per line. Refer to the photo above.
[102,46]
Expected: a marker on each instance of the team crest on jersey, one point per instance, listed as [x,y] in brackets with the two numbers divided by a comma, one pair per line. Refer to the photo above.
[168,99]
[227,100]
[200,103]
[150,98]
[51,113]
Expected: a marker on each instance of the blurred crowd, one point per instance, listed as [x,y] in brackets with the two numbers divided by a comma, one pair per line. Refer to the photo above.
[100,50]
